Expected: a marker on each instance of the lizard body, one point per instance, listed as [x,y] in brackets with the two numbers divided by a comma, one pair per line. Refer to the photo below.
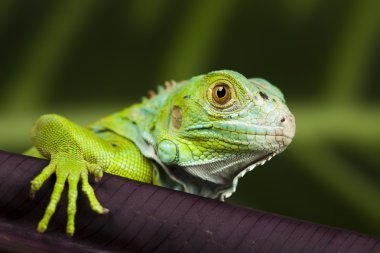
[197,136]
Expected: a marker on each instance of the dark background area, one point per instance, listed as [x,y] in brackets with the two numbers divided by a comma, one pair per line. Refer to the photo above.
[86,59]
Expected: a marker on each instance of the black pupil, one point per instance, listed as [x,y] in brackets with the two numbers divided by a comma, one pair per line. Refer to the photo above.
[221,92]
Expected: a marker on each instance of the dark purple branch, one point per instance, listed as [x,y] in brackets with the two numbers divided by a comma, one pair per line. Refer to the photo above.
[145,218]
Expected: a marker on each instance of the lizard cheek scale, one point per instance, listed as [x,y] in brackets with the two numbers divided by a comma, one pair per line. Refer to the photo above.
[167,152]
[199,136]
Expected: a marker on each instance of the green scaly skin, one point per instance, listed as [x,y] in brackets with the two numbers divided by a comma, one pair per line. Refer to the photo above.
[199,136]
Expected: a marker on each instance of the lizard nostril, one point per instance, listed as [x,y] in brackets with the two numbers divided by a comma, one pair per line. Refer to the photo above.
[263,95]
[282,119]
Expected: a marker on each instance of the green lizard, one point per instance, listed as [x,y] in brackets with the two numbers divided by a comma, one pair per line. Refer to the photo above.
[199,136]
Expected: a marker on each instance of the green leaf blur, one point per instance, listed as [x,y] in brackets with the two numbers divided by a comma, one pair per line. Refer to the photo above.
[86,59]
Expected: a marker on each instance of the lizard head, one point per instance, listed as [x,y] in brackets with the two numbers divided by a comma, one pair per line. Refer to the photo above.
[217,127]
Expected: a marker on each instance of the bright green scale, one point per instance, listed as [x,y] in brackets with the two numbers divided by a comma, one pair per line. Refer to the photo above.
[197,136]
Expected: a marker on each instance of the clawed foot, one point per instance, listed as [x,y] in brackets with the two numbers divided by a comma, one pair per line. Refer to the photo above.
[72,170]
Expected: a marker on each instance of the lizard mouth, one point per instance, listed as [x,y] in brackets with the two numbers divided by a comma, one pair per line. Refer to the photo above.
[238,132]
[249,135]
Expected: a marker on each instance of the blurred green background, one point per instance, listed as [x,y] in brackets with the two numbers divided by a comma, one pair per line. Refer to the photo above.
[86,59]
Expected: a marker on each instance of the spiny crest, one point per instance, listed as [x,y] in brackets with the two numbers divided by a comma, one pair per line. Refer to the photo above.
[168,85]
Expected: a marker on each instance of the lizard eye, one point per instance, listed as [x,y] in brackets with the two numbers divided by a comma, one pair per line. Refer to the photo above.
[221,93]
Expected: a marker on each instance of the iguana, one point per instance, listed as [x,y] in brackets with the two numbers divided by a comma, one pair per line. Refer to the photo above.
[199,136]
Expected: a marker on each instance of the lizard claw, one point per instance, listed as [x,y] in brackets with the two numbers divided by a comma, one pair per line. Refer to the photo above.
[96,170]
[98,175]
[33,188]
[38,181]
[41,227]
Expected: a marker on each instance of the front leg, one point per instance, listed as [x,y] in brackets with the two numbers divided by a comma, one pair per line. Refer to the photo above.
[74,152]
